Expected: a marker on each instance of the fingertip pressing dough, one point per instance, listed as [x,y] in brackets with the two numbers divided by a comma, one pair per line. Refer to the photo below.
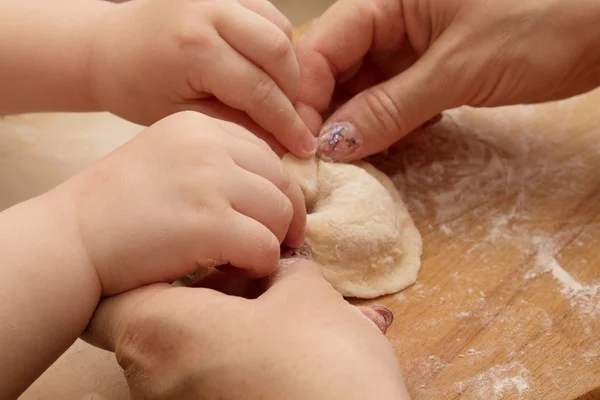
[358,228]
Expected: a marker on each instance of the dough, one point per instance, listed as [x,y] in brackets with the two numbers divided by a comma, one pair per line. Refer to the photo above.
[358,227]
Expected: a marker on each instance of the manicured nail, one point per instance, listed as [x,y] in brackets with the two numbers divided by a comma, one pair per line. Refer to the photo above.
[379,315]
[338,141]
[385,312]
[432,121]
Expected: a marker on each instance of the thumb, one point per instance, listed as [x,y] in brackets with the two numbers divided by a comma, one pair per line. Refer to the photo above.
[114,314]
[296,273]
[378,117]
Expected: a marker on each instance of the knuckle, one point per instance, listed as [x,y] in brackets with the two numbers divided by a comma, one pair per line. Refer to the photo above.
[285,209]
[385,110]
[281,47]
[263,90]
[189,33]
[267,246]
[266,148]
[282,178]
[287,28]
[188,118]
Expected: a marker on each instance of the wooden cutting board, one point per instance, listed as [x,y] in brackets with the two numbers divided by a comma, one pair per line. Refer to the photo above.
[507,305]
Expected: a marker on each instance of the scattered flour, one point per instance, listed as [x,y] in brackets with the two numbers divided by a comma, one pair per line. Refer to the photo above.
[446,230]
[497,382]
[487,189]
[583,297]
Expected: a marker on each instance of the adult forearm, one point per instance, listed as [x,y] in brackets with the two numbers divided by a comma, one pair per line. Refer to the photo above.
[48,289]
[45,48]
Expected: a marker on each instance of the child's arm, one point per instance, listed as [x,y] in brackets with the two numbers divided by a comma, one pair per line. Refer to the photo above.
[189,191]
[45,53]
[48,289]
[146,59]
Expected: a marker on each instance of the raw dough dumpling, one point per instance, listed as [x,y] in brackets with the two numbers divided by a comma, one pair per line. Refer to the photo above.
[358,227]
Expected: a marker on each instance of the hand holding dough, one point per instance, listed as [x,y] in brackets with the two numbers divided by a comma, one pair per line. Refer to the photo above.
[358,227]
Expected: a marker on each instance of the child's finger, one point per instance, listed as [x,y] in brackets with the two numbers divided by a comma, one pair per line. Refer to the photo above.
[266,9]
[271,211]
[256,197]
[265,44]
[242,85]
[216,109]
[246,244]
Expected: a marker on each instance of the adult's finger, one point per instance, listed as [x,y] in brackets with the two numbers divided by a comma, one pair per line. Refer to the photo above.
[381,316]
[242,85]
[337,42]
[378,117]
[114,314]
[296,275]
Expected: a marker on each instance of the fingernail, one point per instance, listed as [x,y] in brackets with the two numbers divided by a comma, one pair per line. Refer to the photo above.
[292,256]
[385,312]
[299,253]
[432,121]
[309,145]
[338,141]
[379,315]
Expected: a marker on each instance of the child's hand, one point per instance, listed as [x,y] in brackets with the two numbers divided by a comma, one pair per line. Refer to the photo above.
[155,57]
[189,191]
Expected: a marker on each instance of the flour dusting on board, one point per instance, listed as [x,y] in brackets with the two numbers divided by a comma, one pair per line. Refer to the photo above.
[482,183]
[585,298]
[497,382]
[498,178]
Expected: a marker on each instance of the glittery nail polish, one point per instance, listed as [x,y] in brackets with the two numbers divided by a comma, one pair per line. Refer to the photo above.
[338,141]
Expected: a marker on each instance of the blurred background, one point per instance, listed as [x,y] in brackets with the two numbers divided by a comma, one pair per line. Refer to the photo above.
[298,11]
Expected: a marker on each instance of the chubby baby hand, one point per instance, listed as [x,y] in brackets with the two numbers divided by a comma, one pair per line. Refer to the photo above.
[230,59]
[190,191]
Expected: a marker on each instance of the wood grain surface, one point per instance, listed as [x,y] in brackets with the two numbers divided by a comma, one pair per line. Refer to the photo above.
[507,304]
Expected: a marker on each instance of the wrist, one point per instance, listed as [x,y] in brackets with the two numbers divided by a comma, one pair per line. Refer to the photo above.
[62,225]
[95,58]
[49,284]
[108,54]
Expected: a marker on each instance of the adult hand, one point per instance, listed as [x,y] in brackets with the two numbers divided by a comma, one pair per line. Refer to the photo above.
[299,340]
[230,59]
[406,61]
[190,191]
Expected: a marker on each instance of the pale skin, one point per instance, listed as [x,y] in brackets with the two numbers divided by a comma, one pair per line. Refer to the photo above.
[210,192]
[198,186]
[146,59]
[177,181]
